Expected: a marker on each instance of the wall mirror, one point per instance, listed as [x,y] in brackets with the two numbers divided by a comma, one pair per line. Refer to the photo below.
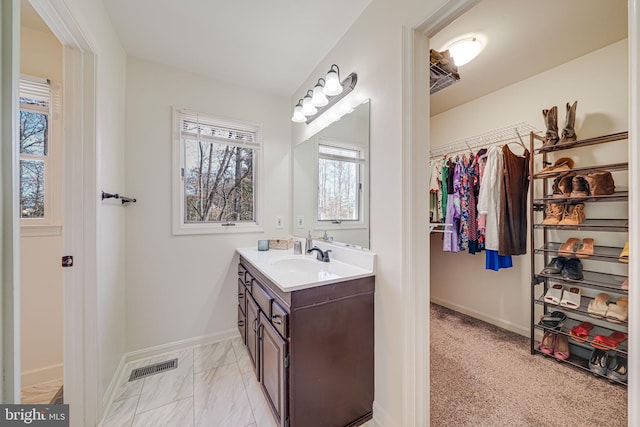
[331,181]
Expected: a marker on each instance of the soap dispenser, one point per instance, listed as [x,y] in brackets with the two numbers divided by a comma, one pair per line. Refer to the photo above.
[308,244]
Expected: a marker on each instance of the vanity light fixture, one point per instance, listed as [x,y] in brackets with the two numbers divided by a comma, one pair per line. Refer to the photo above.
[308,109]
[324,95]
[464,50]
[298,117]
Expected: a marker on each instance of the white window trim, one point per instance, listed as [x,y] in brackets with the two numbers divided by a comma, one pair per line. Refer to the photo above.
[49,225]
[179,227]
[363,222]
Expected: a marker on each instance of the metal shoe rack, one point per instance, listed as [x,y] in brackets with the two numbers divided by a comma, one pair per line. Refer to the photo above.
[603,272]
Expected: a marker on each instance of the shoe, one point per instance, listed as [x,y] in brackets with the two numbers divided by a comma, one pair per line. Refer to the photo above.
[551,123]
[609,342]
[571,298]
[555,266]
[561,349]
[580,333]
[598,362]
[599,305]
[563,163]
[573,269]
[618,312]
[553,295]
[579,187]
[617,368]
[568,248]
[573,215]
[553,320]
[565,184]
[586,249]
[600,183]
[568,132]
[625,284]
[553,213]
[624,255]
[548,343]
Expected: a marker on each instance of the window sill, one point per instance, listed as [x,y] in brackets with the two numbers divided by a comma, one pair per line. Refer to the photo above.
[194,229]
[40,230]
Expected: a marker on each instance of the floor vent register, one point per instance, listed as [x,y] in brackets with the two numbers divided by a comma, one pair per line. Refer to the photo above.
[156,368]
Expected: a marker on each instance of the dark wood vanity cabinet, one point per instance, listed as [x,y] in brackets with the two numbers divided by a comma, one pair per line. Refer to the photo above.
[312,349]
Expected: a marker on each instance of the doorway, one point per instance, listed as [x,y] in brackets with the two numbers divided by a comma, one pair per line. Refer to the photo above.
[41,152]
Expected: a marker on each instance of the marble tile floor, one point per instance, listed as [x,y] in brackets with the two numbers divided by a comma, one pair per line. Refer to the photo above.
[40,393]
[213,386]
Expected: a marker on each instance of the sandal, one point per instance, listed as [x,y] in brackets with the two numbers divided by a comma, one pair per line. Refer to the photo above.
[553,295]
[548,343]
[561,350]
[586,249]
[599,305]
[568,248]
[553,320]
[608,342]
[580,333]
[571,298]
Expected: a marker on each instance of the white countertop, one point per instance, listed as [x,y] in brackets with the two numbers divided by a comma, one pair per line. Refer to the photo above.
[294,272]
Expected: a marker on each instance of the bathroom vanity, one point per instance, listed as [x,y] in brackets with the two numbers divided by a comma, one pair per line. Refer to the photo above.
[310,340]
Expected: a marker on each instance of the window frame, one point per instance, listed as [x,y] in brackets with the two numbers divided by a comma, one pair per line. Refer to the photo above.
[179,226]
[35,88]
[363,178]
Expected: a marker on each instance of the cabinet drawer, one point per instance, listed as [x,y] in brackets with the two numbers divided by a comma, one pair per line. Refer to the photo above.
[280,319]
[241,272]
[242,296]
[262,297]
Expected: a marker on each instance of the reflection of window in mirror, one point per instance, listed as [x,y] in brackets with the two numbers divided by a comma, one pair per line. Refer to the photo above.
[339,182]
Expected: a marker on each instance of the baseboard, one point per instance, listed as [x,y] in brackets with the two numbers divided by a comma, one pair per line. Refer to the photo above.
[41,375]
[156,351]
[381,417]
[501,323]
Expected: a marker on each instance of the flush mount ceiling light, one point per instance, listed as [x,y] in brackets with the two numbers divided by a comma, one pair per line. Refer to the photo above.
[325,94]
[464,50]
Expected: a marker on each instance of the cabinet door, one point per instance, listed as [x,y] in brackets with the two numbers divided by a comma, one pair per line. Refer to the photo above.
[273,372]
[253,320]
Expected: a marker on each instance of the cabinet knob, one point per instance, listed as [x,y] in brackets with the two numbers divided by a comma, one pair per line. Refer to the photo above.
[276,319]
[240,322]
[240,295]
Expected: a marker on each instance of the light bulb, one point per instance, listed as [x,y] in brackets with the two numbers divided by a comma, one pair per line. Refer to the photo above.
[332,86]
[319,99]
[298,117]
[307,106]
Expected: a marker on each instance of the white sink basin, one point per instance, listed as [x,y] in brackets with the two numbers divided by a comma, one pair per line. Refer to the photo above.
[301,268]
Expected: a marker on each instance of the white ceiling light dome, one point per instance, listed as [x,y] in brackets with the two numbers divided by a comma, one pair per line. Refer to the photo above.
[464,49]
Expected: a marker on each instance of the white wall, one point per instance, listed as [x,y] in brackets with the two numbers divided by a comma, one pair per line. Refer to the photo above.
[373,49]
[40,271]
[184,287]
[598,81]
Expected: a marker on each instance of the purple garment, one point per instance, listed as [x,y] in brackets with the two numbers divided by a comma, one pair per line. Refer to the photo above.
[450,240]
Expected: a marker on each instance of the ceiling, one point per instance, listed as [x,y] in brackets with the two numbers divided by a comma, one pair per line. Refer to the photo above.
[525,38]
[278,43]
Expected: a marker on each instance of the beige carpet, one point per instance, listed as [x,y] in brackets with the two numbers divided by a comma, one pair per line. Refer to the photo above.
[484,376]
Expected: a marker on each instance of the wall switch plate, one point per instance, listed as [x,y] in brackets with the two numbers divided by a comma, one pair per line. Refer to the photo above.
[300,221]
[279,221]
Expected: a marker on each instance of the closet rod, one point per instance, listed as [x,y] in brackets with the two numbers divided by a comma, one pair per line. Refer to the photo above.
[510,133]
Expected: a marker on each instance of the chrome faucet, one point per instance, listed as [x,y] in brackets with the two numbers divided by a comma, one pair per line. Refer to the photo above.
[321,256]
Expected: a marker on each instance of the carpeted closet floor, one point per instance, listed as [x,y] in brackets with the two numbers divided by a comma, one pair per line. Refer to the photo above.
[485,376]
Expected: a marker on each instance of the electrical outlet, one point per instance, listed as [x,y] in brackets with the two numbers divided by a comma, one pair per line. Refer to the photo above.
[279,221]
[300,221]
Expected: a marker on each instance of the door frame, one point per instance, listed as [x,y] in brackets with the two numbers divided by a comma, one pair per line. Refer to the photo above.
[416,146]
[79,198]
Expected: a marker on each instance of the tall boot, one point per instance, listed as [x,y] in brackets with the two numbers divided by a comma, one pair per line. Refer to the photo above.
[551,122]
[569,132]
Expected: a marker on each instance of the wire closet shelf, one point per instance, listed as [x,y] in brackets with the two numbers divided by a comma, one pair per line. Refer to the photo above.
[512,133]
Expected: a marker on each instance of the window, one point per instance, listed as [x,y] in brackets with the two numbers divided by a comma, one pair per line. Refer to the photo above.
[216,163]
[35,147]
[339,182]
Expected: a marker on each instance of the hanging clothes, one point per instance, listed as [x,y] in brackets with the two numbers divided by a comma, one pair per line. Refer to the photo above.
[464,190]
[435,191]
[513,203]
[474,187]
[452,217]
[444,178]
[489,207]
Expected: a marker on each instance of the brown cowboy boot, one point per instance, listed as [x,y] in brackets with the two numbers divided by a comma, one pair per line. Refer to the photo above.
[601,183]
[580,186]
[569,132]
[551,122]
